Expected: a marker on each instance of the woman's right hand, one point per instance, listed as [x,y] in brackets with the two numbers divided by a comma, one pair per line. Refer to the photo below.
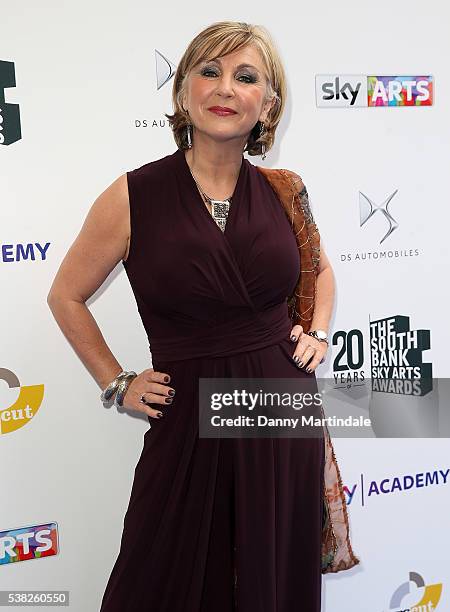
[151,384]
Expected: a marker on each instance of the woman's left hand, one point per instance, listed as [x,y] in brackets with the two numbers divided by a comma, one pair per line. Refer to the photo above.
[308,349]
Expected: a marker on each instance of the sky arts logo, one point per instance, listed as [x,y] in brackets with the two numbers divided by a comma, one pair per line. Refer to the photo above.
[9,113]
[360,91]
[23,409]
[396,357]
[396,354]
[415,596]
[394,484]
[27,543]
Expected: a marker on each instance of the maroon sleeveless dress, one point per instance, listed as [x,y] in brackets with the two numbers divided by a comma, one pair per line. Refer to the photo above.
[216,525]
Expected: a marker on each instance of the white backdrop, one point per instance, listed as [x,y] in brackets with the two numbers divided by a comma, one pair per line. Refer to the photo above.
[90,109]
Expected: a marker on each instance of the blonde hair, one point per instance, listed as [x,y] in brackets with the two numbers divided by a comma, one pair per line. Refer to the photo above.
[219,39]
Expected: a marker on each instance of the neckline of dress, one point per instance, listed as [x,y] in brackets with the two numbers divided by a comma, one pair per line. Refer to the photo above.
[179,153]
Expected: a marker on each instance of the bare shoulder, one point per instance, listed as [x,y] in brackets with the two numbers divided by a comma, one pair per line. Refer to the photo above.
[111,210]
[109,218]
[112,206]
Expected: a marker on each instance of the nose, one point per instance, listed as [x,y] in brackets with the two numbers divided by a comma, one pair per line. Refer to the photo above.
[225,85]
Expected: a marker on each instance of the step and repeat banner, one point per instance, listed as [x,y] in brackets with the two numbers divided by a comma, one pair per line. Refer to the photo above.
[83,92]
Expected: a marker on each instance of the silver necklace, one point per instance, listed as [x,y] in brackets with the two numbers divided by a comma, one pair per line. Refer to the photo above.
[219,208]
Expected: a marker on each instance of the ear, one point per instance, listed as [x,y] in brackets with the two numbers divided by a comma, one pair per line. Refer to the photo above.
[266,109]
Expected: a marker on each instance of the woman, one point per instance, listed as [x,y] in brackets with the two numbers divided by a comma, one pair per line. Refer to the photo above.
[212,524]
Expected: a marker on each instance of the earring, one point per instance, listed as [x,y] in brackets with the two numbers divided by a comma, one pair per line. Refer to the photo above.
[189,135]
[262,130]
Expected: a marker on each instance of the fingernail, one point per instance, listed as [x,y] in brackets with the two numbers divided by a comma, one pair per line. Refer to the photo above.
[293,338]
[295,358]
[300,363]
[160,414]
[308,370]
[166,378]
[171,392]
[168,400]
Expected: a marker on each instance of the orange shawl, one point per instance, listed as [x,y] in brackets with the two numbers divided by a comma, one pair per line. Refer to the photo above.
[337,553]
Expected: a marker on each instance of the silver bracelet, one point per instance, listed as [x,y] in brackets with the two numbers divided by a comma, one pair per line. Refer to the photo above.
[112,387]
[122,388]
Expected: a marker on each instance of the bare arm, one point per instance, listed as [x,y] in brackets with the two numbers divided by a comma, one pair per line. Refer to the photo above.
[99,246]
[101,243]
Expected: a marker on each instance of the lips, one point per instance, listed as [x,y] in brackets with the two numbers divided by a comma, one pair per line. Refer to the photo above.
[222,110]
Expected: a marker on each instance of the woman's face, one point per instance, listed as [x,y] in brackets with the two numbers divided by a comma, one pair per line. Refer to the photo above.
[236,81]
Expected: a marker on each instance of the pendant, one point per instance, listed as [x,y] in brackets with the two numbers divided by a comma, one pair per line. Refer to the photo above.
[219,211]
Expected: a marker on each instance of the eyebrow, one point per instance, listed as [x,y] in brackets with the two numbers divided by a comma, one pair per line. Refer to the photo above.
[217,61]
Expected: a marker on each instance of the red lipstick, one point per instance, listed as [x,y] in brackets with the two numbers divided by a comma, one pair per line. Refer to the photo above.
[223,111]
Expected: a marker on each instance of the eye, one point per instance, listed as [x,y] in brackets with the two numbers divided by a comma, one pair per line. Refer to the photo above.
[249,77]
[205,72]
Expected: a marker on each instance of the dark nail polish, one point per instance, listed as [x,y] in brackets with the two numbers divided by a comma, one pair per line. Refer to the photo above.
[171,392]
[168,400]
[293,338]
[160,414]
[166,378]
